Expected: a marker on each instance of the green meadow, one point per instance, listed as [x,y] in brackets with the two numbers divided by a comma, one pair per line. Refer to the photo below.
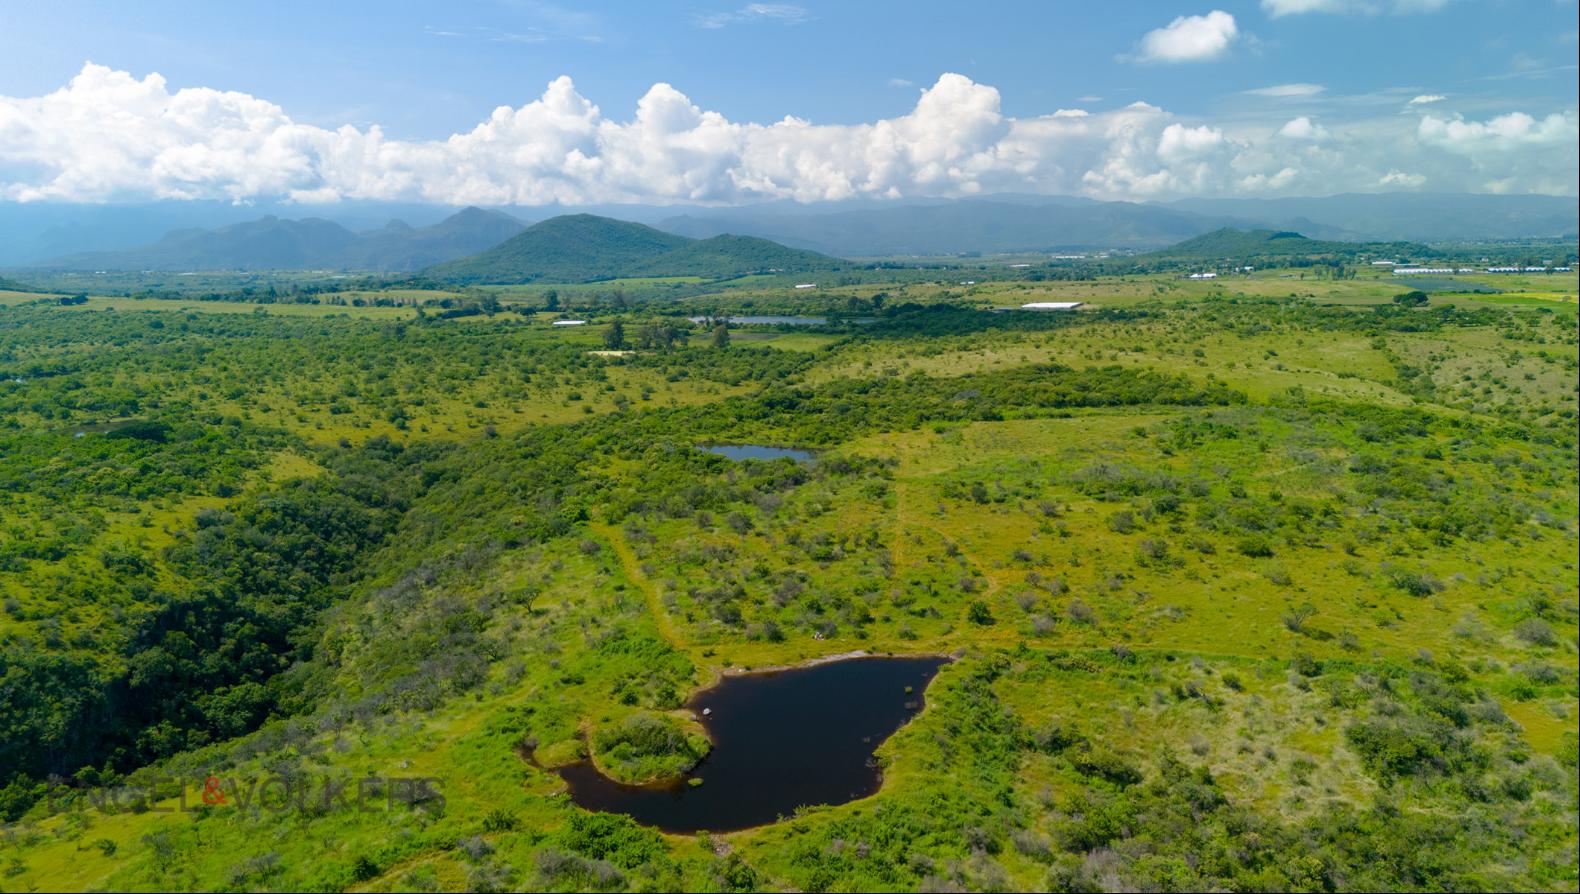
[1263,583]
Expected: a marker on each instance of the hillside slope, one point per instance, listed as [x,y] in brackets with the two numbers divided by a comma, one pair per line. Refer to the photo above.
[569,248]
[1420,217]
[585,247]
[399,247]
[989,225]
[270,243]
[1230,244]
[729,255]
[274,243]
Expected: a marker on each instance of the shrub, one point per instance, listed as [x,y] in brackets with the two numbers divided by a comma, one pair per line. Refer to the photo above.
[1255,547]
[644,747]
[1536,632]
[979,613]
[1080,612]
[1295,618]
[1105,764]
[1412,582]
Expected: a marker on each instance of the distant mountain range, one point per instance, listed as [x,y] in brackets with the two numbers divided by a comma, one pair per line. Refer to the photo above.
[1416,217]
[1050,223]
[273,243]
[585,247]
[1230,244]
[206,235]
[964,226]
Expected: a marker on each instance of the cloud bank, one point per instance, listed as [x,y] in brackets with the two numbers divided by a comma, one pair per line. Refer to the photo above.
[110,136]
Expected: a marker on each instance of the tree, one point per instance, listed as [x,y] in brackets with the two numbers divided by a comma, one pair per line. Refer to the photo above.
[979,613]
[661,336]
[721,336]
[614,336]
[551,299]
[1411,299]
[1295,619]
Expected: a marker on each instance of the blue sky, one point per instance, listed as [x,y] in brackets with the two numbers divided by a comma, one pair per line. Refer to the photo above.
[423,71]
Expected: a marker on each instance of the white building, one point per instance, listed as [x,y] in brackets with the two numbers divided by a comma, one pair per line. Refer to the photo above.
[806,285]
[1204,276]
[1407,271]
[1052,305]
[569,323]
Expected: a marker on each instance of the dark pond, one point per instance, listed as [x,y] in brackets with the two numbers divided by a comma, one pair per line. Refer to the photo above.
[758,451]
[781,740]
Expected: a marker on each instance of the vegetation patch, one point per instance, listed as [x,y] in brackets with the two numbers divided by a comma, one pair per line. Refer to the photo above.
[645,747]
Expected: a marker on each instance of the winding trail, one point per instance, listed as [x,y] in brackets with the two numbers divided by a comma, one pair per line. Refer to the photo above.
[633,571]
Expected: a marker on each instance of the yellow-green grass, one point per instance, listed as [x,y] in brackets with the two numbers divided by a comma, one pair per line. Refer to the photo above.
[1339,364]
[415,296]
[1543,722]
[1216,613]
[786,341]
[1221,604]
[181,305]
[10,297]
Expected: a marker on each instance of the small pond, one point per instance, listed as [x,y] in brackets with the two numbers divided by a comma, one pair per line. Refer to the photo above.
[739,452]
[781,740]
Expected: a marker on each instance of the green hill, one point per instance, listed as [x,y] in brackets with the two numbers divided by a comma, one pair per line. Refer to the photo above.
[570,248]
[1240,245]
[584,248]
[736,255]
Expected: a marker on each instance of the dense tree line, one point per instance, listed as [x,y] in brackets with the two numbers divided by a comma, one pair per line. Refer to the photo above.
[203,662]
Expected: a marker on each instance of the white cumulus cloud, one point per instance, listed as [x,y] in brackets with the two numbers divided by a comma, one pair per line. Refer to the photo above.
[1501,134]
[110,136]
[1190,38]
[1517,152]
[1303,128]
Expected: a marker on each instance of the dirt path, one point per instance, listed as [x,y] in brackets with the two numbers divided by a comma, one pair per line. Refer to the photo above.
[633,571]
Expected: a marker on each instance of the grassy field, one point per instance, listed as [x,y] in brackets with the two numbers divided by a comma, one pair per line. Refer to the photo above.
[101,302]
[1250,583]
